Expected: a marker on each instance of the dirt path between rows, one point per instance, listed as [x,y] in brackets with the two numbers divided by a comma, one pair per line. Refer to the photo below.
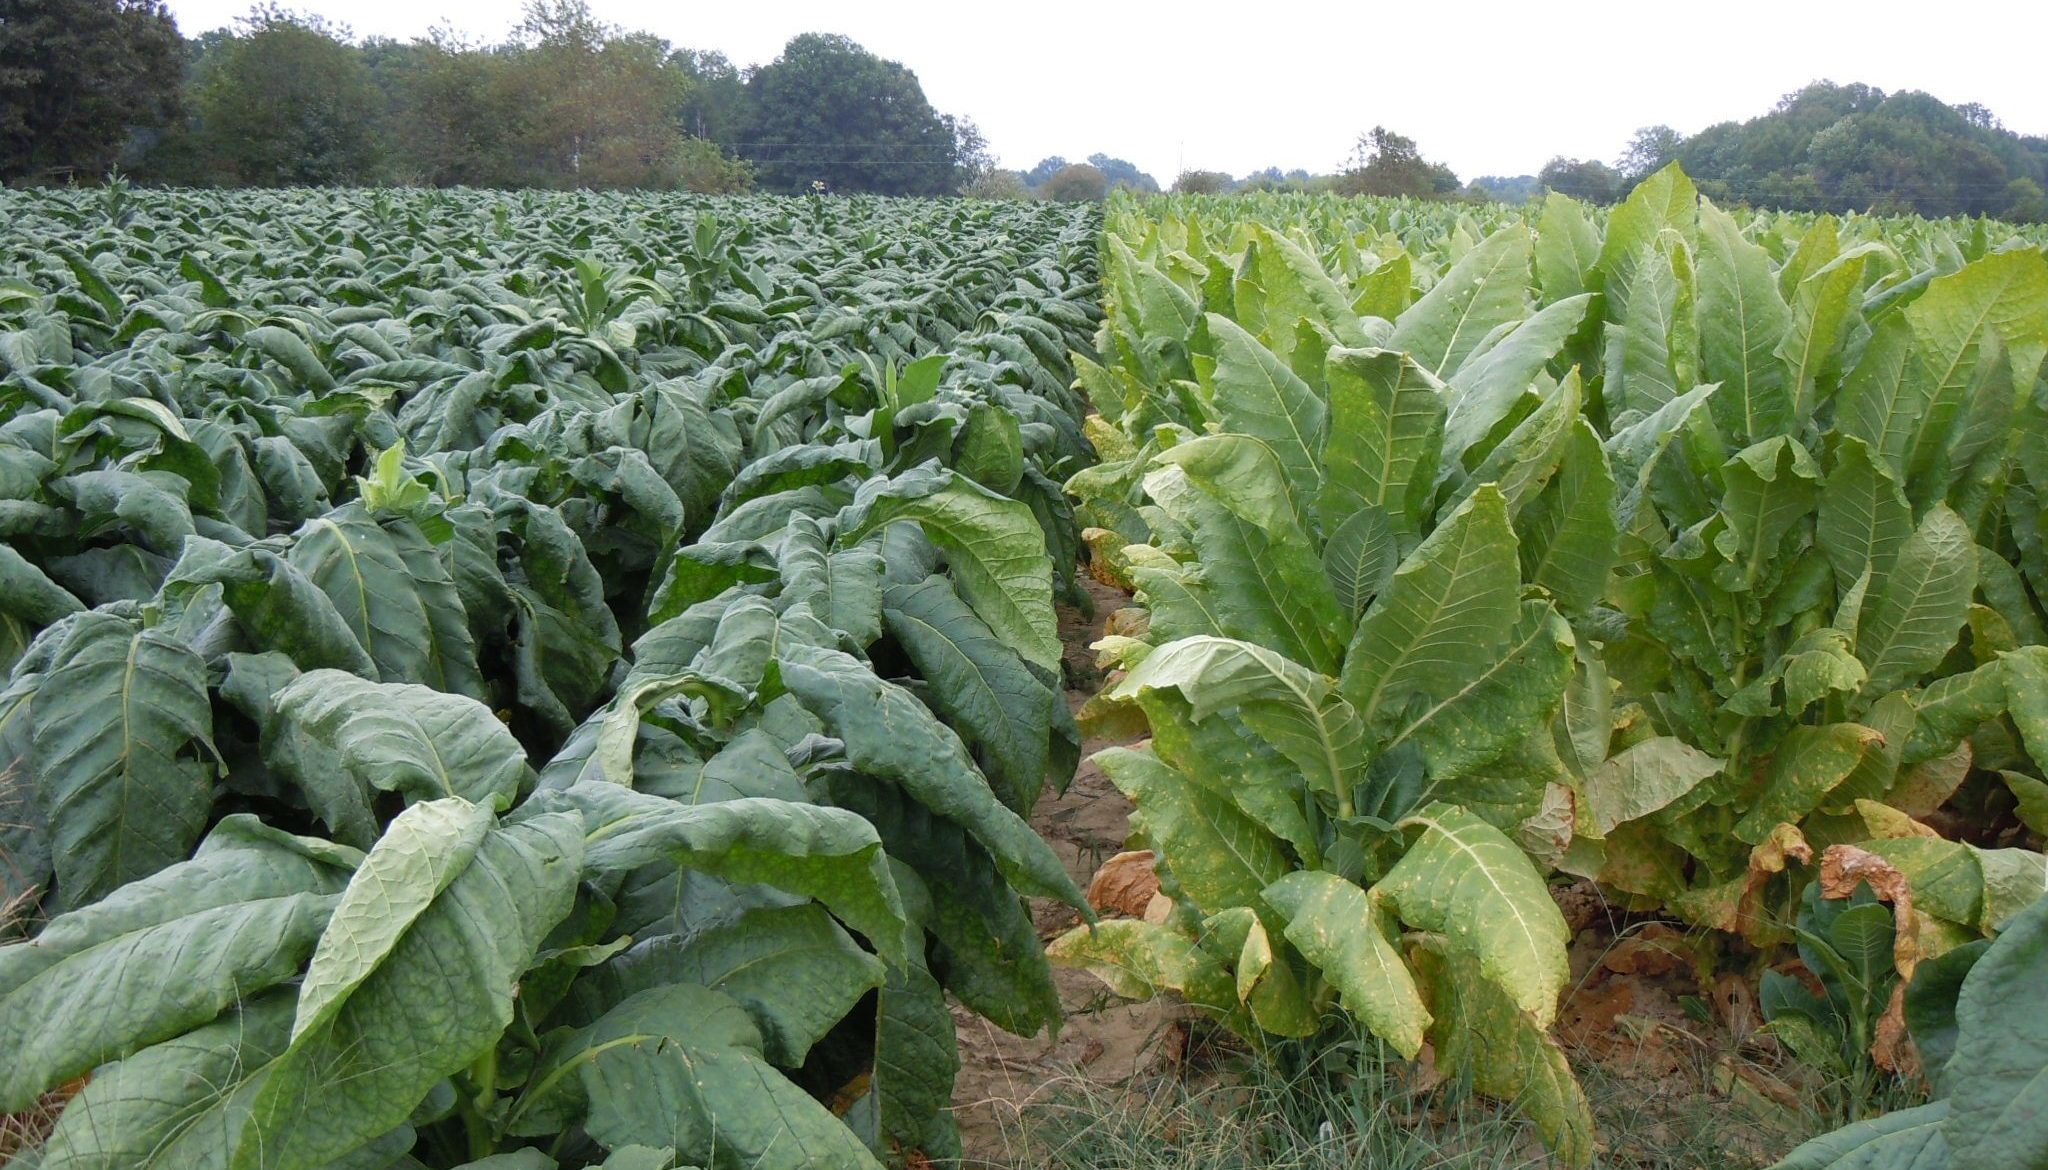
[1104,1039]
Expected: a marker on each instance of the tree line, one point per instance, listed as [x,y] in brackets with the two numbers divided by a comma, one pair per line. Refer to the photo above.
[88,86]
[1827,147]
[1840,148]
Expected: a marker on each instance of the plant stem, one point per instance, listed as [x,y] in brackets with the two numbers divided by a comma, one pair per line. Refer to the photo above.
[476,1104]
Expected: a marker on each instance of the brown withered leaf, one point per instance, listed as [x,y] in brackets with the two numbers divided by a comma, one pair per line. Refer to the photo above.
[1547,832]
[1734,906]
[1842,869]
[1105,557]
[1125,884]
[1656,949]
[1587,1018]
[1129,622]
[1893,1048]
[1845,867]
[1735,1006]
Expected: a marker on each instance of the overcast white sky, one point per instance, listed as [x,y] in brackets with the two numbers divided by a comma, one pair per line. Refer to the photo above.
[1488,87]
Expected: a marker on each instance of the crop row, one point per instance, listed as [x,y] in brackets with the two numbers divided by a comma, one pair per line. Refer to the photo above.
[548,676]
[1697,555]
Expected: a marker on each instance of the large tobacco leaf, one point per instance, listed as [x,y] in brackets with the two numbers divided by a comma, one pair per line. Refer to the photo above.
[120,753]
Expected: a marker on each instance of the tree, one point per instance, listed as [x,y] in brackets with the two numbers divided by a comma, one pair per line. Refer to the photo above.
[456,113]
[715,104]
[1202,183]
[1588,179]
[603,102]
[1649,151]
[1505,188]
[998,184]
[1077,183]
[1121,173]
[1386,163]
[2025,202]
[700,166]
[1839,148]
[970,151]
[288,103]
[829,111]
[1046,169]
[77,77]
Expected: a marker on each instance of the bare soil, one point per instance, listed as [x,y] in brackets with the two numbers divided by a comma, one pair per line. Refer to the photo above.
[1104,1039]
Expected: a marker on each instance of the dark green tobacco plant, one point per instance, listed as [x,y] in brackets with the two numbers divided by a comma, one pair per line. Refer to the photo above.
[549,694]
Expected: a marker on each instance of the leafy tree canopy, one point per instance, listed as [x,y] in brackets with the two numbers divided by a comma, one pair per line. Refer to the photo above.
[1651,150]
[1202,183]
[1588,179]
[1386,163]
[1505,188]
[1121,173]
[1077,183]
[1046,169]
[78,76]
[829,111]
[1839,148]
[289,102]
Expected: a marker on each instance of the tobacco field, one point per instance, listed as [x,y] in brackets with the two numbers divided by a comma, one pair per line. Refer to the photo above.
[519,681]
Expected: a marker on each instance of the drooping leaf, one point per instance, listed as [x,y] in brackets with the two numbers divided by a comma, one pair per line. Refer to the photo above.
[993,545]
[1294,709]
[982,687]
[681,1065]
[888,733]
[1139,959]
[1220,857]
[824,853]
[1482,1033]
[366,1045]
[1465,880]
[162,955]
[403,609]
[122,729]
[1643,778]
[177,1104]
[1339,930]
[795,971]
[341,739]
[1809,763]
